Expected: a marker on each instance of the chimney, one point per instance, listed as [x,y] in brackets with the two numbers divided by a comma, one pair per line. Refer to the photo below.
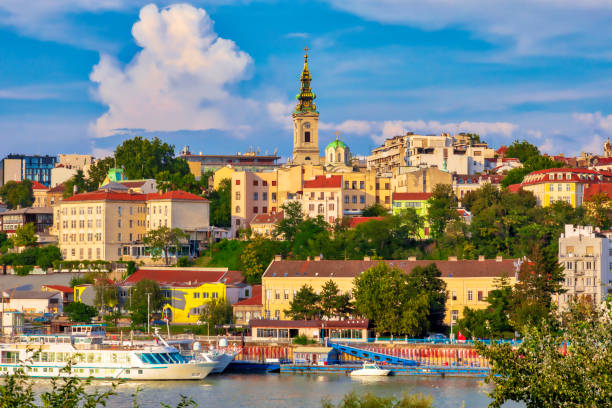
[75,189]
[412,258]
[499,258]
[367,258]
[278,258]
[452,258]
[481,258]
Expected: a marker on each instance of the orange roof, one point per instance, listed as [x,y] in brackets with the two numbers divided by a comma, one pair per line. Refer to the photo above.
[411,196]
[269,218]
[255,299]
[186,277]
[37,186]
[601,188]
[325,181]
[355,221]
[175,195]
[60,288]
[580,175]
[514,188]
[58,189]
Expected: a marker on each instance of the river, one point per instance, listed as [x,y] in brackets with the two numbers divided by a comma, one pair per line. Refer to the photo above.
[297,391]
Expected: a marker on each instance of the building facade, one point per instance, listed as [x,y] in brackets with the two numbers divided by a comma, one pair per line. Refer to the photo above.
[468,281]
[585,256]
[390,155]
[416,201]
[18,167]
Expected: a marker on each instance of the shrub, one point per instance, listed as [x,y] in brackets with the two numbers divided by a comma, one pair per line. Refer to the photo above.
[302,340]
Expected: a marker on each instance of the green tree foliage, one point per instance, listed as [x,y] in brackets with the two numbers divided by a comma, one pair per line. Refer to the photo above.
[226,253]
[5,243]
[567,366]
[426,279]
[539,279]
[599,211]
[142,158]
[167,181]
[138,300]
[354,400]
[106,293]
[292,218]
[162,240]
[312,237]
[16,194]
[81,183]
[221,204]
[442,209]
[40,256]
[529,155]
[257,255]
[375,210]
[388,297]
[305,305]
[408,225]
[80,312]
[25,236]
[217,312]
[334,304]
[492,322]
[522,150]
[98,172]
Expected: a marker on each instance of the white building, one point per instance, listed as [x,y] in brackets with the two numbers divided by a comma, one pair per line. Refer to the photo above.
[32,301]
[585,254]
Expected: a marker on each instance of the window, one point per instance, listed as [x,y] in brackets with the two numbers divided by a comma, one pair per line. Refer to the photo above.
[255,196]
[589,250]
[469,295]
[277,294]
[310,207]
[454,315]
[273,197]
[277,314]
[354,199]
[569,265]
[273,183]
[361,185]
[264,210]
[362,199]
[205,295]
[119,223]
[237,182]
[307,137]
[119,210]
[286,294]
[568,187]
[119,237]
[346,199]
[237,209]
[346,185]
[354,185]
[237,195]
[587,265]
[264,196]
[255,210]
[131,223]
[255,182]
[480,296]
[331,207]
[264,183]
[131,210]
[196,295]
[560,187]
[215,295]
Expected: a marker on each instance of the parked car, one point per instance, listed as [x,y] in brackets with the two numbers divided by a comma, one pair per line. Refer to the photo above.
[437,337]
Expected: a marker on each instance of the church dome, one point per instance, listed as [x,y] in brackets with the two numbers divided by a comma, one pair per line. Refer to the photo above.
[335,144]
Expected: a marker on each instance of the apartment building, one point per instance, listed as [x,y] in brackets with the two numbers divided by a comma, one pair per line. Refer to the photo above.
[39,192]
[323,196]
[585,256]
[264,224]
[465,183]
[110,225]
[411,180]
[416,201]
[390,155]
[468,281]
[563,184]
[18,167]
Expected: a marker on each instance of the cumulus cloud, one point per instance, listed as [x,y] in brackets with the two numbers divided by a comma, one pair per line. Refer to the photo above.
[178,81]
[532,26]
[595,120]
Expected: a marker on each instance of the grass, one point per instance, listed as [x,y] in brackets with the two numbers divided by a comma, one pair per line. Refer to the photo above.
[224,254]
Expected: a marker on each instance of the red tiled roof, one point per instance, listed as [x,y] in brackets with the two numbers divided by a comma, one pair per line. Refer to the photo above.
[175,195]
[514,188]
[132,184]
[107,195]
[60,288]
[600,161]
[186,277]
[325,181]
[351,269]
[411,196]
[298,324]
[269,218]
[502,150]
[574,173]
[600,188]
[58,189]
[255,299]
[37,186]
[355,221]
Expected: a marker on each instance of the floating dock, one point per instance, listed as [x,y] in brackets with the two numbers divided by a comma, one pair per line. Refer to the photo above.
[432,371]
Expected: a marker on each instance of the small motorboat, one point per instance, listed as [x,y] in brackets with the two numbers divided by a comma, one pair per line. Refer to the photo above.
[371,370]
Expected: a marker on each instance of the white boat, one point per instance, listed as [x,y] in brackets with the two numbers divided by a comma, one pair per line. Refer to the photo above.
[221,358]
[48,355]
[370,370]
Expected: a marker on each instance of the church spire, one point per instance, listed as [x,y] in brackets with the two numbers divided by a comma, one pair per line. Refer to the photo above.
[306,97]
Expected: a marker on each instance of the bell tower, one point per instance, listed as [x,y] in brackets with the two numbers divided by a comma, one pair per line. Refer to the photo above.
[306,122]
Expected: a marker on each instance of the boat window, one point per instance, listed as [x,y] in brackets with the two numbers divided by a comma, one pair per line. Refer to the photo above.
[90,357]
[60,357]
[164,357]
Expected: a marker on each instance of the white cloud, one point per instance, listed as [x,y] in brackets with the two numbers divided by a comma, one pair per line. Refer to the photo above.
[280,112]
[178,81]
[297,35]
[595,120]
[533,26]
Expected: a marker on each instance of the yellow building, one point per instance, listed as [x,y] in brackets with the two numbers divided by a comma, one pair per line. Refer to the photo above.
[468,281]
[411,180]
[264,224]
[562,184]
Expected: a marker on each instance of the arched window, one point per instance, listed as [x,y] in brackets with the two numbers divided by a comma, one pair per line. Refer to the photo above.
[331,157]
[307,137]
[307,158]
[237,209]
[321,209]
[339,157]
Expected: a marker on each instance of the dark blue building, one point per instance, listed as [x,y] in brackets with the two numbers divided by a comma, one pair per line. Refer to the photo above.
[19,167]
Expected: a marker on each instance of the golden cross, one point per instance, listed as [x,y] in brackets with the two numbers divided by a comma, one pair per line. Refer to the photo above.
[305,53]
[337,134]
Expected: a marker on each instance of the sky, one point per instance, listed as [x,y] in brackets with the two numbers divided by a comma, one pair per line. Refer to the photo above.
[80,76]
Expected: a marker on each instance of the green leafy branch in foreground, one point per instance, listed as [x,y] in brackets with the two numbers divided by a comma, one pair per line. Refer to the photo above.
[352,400]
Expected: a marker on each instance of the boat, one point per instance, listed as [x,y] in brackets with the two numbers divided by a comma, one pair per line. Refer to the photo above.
[221,355]
[370,370]
[221,358]
[48,356]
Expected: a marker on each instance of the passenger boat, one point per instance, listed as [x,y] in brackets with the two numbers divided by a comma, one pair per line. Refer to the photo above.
[48,355]
[222,355]
[370,370]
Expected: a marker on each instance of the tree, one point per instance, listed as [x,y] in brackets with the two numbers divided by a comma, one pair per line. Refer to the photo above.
[45,256]
[98,172]
[385,296]
[567,366]
[293,216]
[442,208]
[353,400]
[305,305]
[538,280]
[598,209]
[426,279]
[138,300]
[167,181]
[161,240]
[105,293]
[144,159]
[25,236]
[333,303]
[221,204]
[375,210]
[80,312]
[408,224]
[81,183]
[257,255]
[311,238]
[533,163]
[522,150]
[217,312]
[17,194]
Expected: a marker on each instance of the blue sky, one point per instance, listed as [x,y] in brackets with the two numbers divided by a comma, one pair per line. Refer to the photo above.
[221,75]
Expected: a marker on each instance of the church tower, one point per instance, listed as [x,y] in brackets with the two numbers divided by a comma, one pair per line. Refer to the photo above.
[306,122]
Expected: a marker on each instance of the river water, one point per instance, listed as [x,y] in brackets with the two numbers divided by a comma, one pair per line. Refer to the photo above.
[300,390]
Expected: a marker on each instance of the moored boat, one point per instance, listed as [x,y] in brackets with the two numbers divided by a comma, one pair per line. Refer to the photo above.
[370,370]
